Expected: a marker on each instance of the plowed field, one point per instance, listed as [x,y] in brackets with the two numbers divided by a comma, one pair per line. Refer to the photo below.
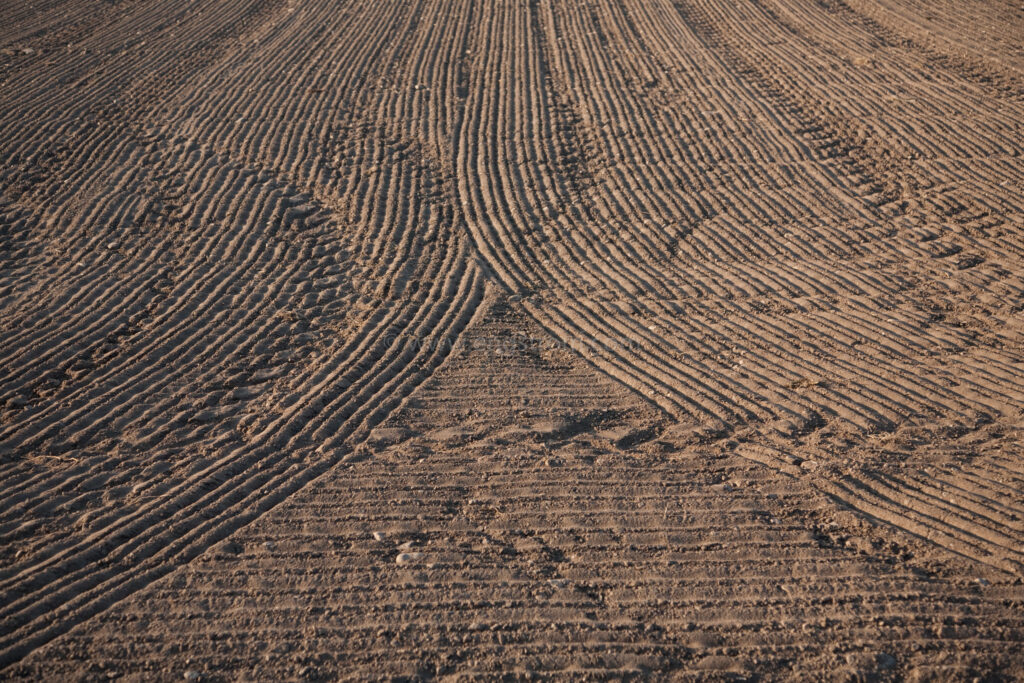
[522,338]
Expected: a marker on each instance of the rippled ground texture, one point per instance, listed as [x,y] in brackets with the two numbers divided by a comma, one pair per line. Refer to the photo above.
[465,337]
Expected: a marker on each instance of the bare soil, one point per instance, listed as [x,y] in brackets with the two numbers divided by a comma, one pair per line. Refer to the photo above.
[517,339]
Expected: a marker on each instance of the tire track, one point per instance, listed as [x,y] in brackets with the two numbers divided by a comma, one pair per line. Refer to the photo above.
[272,275]
[238,235]
[632,561]
[588,244]
[923,515]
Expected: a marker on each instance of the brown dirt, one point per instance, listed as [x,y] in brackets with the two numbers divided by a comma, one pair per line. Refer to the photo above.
[479,338]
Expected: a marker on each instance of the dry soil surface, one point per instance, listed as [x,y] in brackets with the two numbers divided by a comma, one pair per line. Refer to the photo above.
[522,338]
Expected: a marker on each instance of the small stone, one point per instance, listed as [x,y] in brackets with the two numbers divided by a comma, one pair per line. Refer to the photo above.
[269,545]
[27,51]
[193,676]
[112,245]
[408,558]
[379,536]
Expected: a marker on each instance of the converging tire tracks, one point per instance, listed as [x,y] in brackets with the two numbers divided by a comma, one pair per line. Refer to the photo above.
[238,235]
[339,303]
